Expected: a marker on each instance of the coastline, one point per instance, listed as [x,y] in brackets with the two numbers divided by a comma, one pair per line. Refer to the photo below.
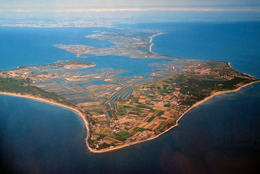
[132,143]
[193,106]
[151,39]
[57,104]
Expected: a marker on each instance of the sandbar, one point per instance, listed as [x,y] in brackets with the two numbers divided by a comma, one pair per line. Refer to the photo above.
[151,39]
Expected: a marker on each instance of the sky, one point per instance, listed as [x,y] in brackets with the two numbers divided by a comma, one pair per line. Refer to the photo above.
[163,9]
[60,4]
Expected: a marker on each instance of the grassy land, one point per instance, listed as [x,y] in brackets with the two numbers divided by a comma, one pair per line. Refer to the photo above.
[23,87]
[123,135]
[151,119]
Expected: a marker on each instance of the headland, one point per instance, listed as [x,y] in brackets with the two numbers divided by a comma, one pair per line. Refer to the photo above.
[125,114]
[83,116]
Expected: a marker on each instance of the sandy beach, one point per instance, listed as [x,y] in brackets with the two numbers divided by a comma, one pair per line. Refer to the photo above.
[125,145]
[196,104]
[57,104]
[151,39]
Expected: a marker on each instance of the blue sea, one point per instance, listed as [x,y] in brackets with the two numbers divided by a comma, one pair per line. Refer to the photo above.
[221,135]
[35,46]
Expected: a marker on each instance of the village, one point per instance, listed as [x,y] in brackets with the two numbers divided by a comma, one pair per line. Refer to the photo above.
[155,107]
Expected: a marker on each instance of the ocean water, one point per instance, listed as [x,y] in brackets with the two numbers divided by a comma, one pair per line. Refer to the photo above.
[34,46]
[220,136]
[235,42]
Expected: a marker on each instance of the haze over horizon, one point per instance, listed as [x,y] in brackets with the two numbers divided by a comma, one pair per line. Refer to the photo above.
[146,10]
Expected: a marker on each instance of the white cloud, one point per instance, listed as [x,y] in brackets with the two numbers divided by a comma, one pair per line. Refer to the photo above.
[76,4]
[188,9]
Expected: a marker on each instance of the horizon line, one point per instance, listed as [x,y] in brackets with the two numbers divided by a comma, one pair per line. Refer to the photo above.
[173,9]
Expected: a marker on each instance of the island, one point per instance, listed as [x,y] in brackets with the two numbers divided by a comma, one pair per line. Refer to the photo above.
[119,111]
[127,42]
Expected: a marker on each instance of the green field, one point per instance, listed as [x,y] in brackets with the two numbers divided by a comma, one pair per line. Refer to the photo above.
[140,129]
[123,135]
[151,119]
[125,106]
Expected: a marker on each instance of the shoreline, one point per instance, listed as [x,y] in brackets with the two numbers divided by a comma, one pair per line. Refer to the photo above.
[132,143]
[151,39]
[80,114]
[193,106]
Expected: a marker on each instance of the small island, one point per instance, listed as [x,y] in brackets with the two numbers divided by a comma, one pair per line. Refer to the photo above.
[119,111]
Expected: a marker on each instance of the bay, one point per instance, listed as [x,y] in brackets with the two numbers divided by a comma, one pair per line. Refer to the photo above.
[21,46]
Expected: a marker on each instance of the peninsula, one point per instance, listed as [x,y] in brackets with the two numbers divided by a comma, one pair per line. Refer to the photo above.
[133,43]
[119,111]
